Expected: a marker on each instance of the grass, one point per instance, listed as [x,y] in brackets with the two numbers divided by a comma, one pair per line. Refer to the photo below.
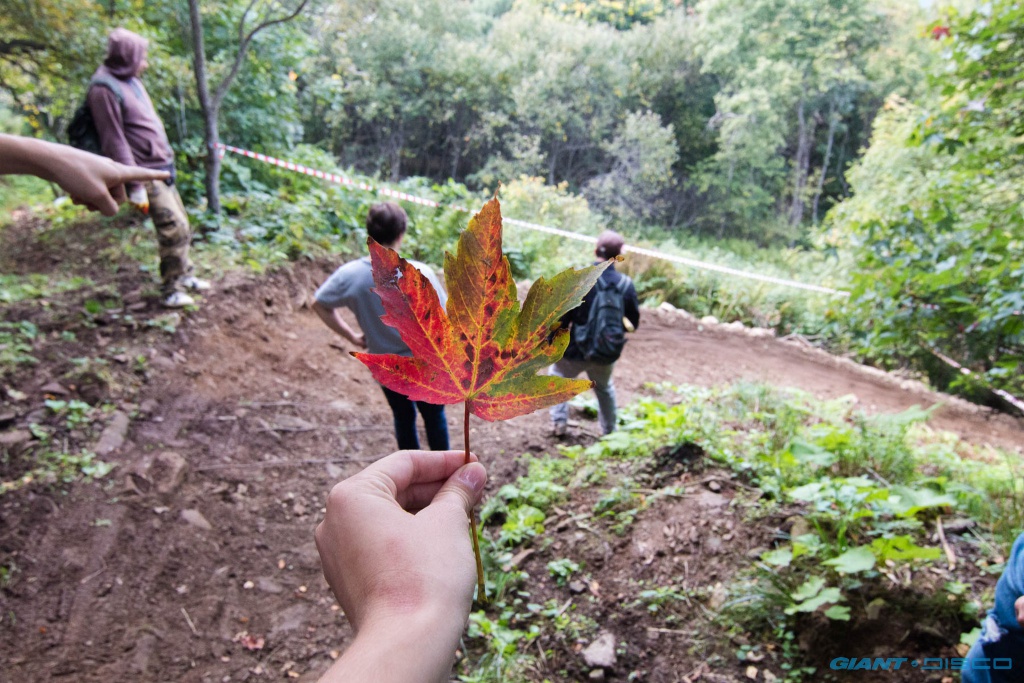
[868,488]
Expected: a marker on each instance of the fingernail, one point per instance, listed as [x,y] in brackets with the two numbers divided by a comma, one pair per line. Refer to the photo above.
[473,475]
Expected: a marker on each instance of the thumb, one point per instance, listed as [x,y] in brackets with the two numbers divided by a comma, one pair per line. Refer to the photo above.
[463,489]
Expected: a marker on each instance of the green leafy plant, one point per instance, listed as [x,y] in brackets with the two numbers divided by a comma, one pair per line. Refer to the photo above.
[562,570]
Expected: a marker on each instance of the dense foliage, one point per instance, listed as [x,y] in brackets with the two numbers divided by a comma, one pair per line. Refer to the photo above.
[935,225]
[653,111]
[860,496]
[674,122]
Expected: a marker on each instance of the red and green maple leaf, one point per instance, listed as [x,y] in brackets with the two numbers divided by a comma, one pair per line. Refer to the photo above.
[485,349]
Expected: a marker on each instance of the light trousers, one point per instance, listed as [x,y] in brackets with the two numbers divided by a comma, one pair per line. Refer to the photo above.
[601,375]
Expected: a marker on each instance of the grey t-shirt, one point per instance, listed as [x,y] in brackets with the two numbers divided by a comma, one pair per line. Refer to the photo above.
[351,286]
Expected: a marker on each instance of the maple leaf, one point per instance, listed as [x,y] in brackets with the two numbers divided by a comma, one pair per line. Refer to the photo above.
[485,349]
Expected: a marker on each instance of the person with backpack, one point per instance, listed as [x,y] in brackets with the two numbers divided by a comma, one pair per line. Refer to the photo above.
[597,335]
[128,130]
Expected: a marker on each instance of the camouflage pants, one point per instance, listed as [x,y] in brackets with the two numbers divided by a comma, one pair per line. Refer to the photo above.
[173,234]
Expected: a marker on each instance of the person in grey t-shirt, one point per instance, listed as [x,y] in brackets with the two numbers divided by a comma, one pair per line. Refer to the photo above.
[351,286]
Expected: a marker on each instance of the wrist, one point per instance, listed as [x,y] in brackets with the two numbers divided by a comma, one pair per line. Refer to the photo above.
[401,647]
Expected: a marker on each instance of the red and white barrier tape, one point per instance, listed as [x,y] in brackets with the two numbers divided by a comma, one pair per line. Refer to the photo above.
[404,196]
[682,260]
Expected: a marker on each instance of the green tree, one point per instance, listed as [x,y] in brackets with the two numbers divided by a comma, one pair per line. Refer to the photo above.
[786,68]
[935,224]
[643,153]
[255,18]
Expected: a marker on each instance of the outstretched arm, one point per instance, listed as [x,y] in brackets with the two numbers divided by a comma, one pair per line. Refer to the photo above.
[396,551]
[95,181]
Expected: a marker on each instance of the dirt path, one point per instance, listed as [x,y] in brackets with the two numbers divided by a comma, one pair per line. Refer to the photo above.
[146,577]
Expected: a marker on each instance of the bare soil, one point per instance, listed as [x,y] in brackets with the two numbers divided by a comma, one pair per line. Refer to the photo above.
[213,575]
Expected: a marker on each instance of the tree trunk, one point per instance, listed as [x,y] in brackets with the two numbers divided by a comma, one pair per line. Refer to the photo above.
[841,162]
[833,121]
[805,140]
[210,108]
[212,162]
[395,143]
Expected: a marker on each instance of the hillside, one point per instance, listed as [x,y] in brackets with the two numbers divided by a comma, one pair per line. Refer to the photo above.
[193,559]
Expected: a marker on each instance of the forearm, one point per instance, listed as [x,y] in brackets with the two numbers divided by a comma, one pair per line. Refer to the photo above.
[20,155]
[334,322]
[409,649]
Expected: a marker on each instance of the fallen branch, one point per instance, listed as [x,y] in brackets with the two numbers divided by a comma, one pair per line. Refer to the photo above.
[286,463]
[1005,395]
[189,620]
[950,556]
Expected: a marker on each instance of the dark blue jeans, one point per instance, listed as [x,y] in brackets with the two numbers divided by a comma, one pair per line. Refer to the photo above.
[404,412]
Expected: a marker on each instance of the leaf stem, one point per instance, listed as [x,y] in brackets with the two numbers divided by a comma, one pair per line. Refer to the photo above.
[481,591]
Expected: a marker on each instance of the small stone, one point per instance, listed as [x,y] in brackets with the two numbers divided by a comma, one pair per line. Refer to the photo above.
[161,362]
[709,320]
[714,486]
[268,585]
[54,388]
[167,471]
[718,596]
[751,672]
[7,418]
[148,407]
[577,586]
[597,675]
[113,435]
[137,306]
[601,652]
[334,471]
[707,499]
[196,519]
[14,438]
[713,545]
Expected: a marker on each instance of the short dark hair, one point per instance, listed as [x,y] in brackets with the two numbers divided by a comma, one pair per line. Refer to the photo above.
[609,244]
[386,222]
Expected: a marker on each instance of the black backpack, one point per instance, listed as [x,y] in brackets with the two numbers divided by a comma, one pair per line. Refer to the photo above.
[82,131]
[603,336]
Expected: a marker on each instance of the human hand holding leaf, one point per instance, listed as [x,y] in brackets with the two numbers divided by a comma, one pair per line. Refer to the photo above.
[485,350]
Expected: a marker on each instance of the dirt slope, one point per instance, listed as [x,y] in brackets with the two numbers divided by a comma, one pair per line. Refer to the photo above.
[143,578]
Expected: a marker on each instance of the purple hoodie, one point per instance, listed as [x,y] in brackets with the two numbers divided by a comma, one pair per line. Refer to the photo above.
[131,133]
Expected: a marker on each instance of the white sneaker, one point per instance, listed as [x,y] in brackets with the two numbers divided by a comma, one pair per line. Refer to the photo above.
[195,284]
[177,300]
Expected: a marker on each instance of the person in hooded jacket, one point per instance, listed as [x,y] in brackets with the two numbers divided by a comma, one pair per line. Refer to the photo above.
[131,133]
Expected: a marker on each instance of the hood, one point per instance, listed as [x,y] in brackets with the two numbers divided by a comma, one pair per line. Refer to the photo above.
[125,53]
